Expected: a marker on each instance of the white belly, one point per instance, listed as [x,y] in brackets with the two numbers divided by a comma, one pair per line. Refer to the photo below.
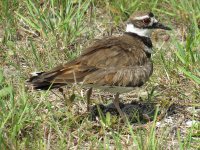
[112,89]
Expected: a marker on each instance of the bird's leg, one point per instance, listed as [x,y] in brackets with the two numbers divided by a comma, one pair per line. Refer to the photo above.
[88,94]
[116,103]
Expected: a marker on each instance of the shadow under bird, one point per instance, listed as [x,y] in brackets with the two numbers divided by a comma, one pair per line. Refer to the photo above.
[114,64]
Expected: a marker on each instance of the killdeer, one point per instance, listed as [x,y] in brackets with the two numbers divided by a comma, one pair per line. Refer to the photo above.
[114,64]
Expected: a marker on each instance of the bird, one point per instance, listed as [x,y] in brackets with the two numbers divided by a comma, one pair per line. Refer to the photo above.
[115,64]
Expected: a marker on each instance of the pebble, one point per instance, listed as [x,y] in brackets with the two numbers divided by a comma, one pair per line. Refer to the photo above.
[190,123]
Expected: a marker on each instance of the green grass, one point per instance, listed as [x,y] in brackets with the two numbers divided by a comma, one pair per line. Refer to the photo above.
[38,36]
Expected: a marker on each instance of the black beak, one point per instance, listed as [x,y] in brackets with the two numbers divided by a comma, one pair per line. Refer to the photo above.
[158,25]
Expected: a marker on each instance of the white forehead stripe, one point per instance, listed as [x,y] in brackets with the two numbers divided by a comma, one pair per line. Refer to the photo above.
[154,20]
[141,17]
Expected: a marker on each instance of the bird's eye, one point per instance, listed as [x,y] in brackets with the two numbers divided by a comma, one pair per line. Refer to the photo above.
[147,20]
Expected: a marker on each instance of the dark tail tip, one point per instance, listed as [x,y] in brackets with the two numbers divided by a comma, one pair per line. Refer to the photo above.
[39,82]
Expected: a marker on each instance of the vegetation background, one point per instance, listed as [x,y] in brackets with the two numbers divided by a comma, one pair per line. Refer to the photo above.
[38,35]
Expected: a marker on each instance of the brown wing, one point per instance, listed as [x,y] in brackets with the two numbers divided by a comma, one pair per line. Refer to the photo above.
[104,63]
[114,52]
[123,76]
[120,63]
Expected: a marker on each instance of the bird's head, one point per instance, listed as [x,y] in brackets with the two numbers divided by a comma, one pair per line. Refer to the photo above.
[143,23]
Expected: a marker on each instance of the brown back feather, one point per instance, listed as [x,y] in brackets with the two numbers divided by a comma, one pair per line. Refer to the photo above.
[110,61]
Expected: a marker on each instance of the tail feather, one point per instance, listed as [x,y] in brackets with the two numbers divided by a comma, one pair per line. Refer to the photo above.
[40,81]
[71,72]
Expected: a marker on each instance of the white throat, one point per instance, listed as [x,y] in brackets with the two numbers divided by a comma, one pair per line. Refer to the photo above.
[141,32]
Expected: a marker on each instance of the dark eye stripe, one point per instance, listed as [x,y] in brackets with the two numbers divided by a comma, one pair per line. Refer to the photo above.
[146,20]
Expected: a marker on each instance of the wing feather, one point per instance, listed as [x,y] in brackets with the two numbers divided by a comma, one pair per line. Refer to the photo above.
[112,61]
